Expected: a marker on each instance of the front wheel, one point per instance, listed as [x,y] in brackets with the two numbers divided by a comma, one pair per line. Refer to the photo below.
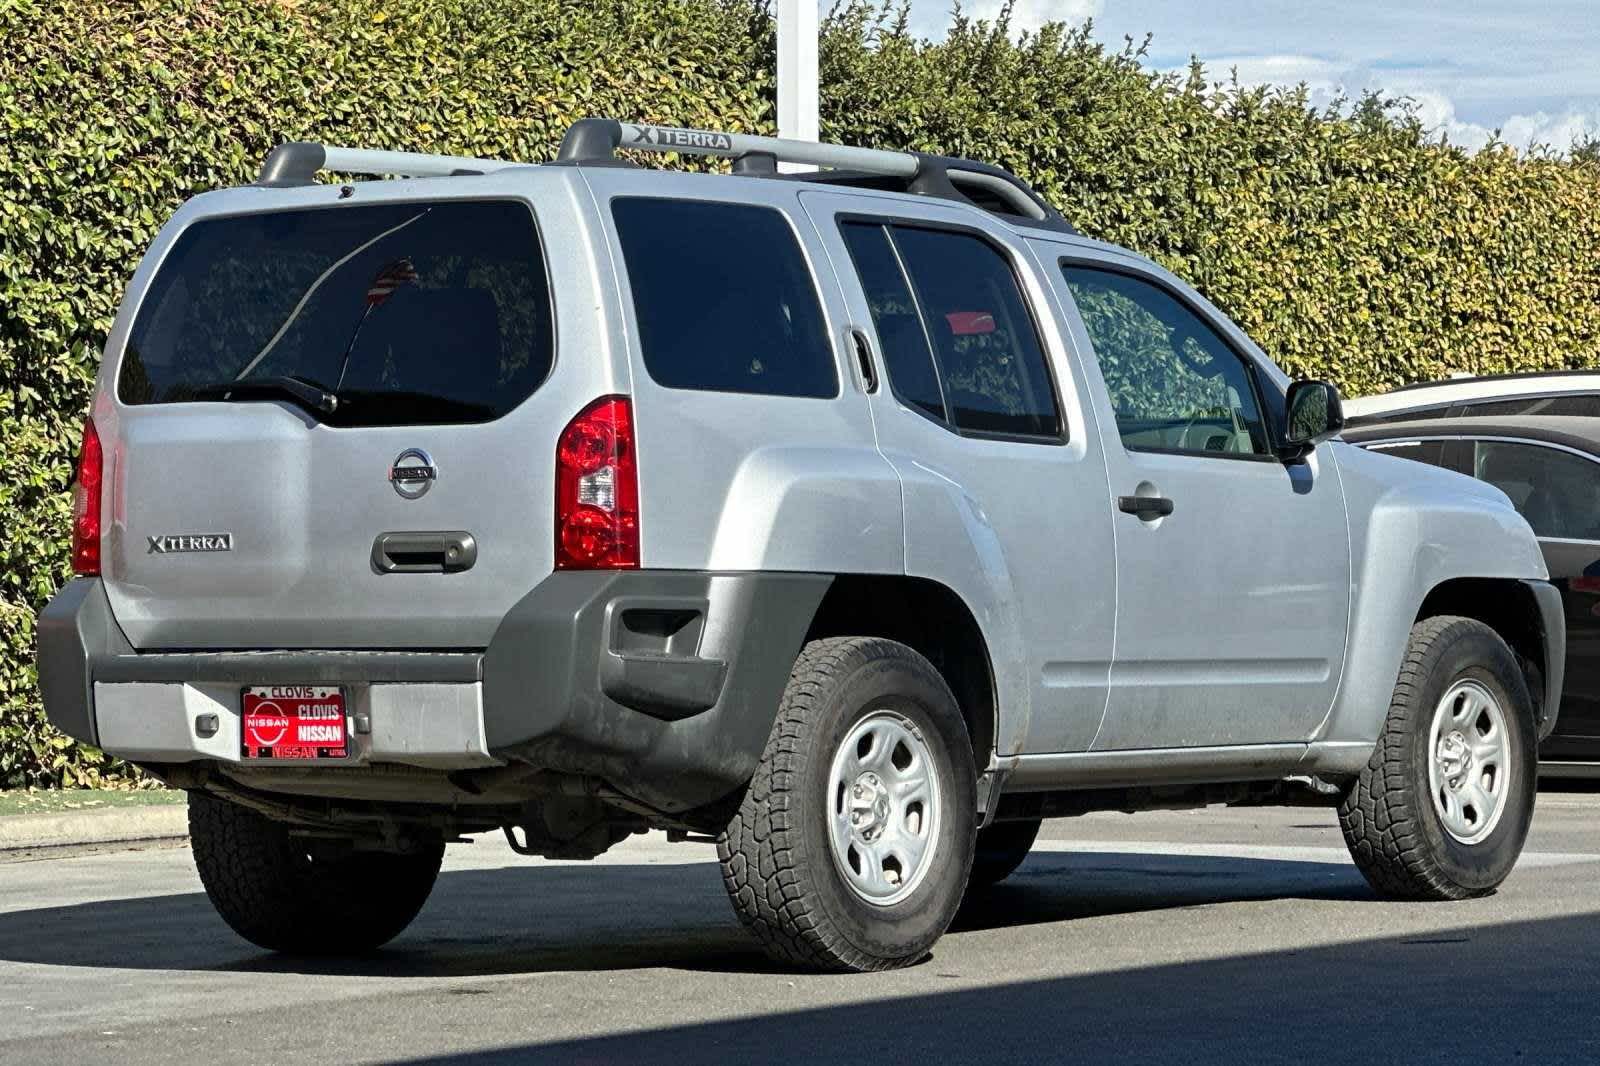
[1443,806]
[851,847]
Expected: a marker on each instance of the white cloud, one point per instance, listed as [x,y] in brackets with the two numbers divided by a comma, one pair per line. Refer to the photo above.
[1329,79]
[1031,14]
[1319,74]
[1524,67]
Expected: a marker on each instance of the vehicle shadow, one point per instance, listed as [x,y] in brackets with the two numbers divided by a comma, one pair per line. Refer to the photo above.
[531,919]
[1510,992]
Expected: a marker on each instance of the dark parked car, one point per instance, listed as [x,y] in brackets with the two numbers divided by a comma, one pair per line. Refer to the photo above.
[1550,467]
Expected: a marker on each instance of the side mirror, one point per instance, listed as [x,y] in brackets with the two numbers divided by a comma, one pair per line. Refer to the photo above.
[1313,414]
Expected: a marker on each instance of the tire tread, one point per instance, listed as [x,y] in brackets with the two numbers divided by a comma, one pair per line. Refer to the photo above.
[1381,814]
[766,880]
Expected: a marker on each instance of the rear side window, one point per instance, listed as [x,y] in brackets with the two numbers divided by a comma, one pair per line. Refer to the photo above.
[723,298]
[958,341]
[1554,490]
[407,313]
[1580,404]
[1583,405]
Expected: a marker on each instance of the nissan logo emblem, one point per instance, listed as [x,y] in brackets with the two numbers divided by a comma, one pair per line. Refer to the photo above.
[412,474]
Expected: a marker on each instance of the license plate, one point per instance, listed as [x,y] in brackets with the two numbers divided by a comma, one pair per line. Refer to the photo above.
[294,722]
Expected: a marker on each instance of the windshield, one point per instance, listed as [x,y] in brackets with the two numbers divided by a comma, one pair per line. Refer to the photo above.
[407,313]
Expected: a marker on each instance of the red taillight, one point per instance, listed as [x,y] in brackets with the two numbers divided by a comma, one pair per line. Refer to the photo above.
[86,504]
[597,489]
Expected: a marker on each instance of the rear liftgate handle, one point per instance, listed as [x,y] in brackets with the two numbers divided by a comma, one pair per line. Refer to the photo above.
[446,552]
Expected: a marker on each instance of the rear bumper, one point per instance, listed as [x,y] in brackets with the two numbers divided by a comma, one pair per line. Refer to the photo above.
[664,684]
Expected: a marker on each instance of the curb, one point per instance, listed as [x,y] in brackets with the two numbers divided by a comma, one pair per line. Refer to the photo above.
[77,829]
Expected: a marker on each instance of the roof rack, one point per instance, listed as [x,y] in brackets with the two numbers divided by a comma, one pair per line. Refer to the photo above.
[297,163]
[596,140]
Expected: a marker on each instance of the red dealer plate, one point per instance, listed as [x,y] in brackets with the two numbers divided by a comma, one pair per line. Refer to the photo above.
[293,722]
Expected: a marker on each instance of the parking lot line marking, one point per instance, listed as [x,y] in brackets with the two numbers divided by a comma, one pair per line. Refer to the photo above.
[1530,859]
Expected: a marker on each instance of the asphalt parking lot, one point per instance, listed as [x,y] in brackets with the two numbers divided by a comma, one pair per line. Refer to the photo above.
[1218,936]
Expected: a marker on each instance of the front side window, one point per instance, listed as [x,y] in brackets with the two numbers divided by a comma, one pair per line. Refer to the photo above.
[958,342]
[1175,385]
[407,313]
[1556,491]
[723,298]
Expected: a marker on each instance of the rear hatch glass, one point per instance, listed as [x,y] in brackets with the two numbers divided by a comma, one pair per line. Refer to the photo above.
[364,316]
[282,370]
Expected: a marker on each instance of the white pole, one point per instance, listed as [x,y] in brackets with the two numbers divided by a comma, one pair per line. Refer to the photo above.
[797,74]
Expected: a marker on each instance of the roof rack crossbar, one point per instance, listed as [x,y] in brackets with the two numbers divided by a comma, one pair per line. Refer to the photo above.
[592,140]
[596,140]
[297,163]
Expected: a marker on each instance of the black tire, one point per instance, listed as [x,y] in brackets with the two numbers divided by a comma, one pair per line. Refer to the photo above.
[777,858]
[1391,823]
[276,894]
[1001,849]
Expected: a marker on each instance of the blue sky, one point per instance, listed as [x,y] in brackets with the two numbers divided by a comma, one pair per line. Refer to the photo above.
[1528,67]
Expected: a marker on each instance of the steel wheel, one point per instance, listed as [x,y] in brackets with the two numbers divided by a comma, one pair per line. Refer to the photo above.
[1469,761]
[883,814]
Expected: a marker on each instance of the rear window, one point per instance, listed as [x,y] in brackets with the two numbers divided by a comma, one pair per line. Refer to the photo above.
[405,313]
[723,298]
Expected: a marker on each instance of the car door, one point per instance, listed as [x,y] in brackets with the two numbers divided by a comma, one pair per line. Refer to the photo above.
[1557,489]
[1233,567]
[980,412]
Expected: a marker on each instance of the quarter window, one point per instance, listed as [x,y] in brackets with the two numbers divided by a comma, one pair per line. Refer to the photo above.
[1554,490]
[1175,385]
[908,361]
[724,299]
[958,341]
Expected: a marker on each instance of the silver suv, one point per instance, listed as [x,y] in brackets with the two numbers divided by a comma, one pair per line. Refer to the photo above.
[858,519]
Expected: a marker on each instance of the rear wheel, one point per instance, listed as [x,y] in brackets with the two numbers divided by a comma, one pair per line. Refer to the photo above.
[279,894]
[1001,849]
[1442,808]
[851,847]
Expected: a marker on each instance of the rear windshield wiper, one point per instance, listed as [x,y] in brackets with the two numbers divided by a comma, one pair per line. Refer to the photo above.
[312,397]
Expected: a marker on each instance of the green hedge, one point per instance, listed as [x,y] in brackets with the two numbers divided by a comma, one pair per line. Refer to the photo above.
[1349,247]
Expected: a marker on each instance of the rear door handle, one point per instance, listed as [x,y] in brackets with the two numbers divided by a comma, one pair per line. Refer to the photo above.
[1147,508]
[869,372]
[441,552]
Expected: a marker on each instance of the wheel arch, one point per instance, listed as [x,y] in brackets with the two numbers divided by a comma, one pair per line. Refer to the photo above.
[1511,608]
[1526,613]
[931,619]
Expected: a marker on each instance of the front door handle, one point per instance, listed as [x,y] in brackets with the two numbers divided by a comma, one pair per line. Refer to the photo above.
[1147,508]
